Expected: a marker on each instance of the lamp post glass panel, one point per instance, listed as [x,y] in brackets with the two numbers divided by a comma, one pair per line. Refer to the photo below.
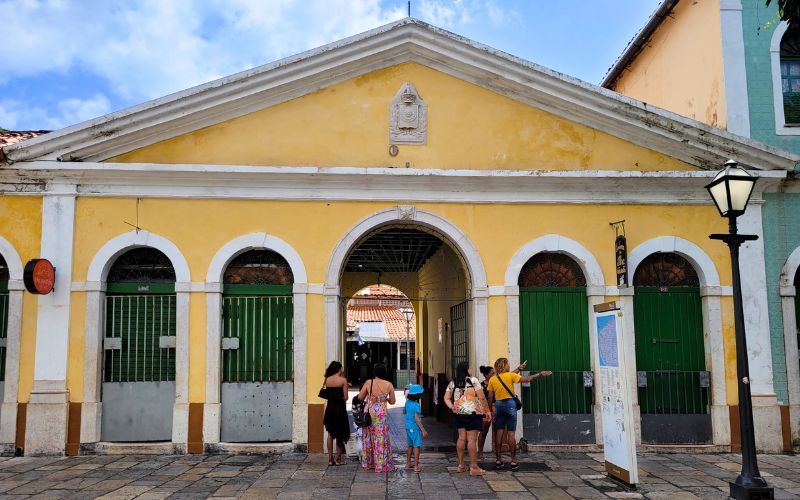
[408,313]
[731,190]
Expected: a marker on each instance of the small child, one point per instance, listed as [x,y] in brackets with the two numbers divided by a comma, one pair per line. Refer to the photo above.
[414,428]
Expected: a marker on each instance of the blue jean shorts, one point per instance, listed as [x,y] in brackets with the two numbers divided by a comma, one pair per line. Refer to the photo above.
[414,437]
[505,414]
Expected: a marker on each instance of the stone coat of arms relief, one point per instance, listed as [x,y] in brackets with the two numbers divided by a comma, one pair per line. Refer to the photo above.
[408,117]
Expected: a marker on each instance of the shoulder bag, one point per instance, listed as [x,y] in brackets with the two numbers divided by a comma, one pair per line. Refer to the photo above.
[516,399]
[361,416]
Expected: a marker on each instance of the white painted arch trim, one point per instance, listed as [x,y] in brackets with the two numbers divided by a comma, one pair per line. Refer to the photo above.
[105,257]
[790,268]
[12,259]
[479,328]
[702,263]
[393,215]
[559,244]
[253,241]
[777,90]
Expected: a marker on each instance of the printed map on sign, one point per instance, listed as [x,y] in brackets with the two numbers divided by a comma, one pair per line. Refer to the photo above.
[607,341]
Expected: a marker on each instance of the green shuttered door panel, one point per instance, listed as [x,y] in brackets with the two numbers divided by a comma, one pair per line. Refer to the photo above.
[669,349]
[554,335]
[139,320]
[260,317]
[3,329]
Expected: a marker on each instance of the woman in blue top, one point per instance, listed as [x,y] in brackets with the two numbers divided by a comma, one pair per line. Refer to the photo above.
[414,428]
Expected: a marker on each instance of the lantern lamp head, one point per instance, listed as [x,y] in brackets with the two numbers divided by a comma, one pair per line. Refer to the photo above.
[731,189]
[408,313]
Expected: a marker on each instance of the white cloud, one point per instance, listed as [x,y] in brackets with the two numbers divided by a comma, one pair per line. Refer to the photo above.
[16,114]
[151,48]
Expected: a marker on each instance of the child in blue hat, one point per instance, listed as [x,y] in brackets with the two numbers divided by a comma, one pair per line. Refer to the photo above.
[414,428]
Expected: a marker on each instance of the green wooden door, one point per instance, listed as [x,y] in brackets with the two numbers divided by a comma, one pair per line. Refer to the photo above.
[669,351]
[459,336]
[257,333]
[554,335]
[140,333]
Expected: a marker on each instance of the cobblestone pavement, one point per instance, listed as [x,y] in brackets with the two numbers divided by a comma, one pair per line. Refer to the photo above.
[300,476]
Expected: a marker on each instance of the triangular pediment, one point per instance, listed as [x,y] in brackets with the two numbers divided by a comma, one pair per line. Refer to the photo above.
[668,141]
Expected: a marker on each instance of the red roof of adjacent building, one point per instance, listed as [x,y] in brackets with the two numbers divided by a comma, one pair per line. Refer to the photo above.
[393,320]
[9,137]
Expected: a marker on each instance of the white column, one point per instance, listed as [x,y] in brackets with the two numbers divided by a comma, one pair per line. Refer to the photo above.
[212,407]
[766,414]
[46,427]
[792,357]
[734,71]
[299,361]
[480,326]
[92,408]
[8,412]
[333,331]
[715,352]
[180,413]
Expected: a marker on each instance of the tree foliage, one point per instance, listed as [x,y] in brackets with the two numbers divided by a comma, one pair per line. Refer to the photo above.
[789,11]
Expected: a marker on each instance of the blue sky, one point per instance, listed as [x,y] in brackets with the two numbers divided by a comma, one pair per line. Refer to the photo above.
[64,61]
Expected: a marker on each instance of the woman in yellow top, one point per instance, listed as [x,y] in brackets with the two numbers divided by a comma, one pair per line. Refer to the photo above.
[505,409]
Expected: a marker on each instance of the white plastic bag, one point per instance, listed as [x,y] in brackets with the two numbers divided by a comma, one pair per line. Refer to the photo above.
[359,447]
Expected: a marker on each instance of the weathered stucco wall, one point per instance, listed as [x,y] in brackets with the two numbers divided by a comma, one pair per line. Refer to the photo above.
[681,69]
[346,125]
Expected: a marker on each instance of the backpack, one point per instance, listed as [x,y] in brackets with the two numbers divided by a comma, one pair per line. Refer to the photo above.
[361,417]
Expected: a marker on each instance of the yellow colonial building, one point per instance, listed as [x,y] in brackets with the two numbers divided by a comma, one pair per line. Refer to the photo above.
[206,244]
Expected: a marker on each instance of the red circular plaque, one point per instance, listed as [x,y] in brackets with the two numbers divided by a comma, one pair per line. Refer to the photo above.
[39,276]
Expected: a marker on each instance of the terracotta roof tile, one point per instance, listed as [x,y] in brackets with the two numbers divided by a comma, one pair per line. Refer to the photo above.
[393,320]
[9,137]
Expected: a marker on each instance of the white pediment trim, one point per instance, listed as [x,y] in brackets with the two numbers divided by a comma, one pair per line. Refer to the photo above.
[402,41]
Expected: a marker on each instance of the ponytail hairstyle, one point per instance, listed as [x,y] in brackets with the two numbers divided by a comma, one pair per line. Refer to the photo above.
[333,368]
[462,374]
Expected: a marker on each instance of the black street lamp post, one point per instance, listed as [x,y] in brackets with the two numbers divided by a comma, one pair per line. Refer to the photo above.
[731,190]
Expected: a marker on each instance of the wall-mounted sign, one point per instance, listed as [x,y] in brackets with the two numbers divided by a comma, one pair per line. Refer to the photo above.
[39,276]
[621,257]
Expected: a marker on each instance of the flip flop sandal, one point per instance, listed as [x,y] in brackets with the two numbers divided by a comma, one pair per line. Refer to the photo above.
[331,463]
[514,467]
[417,469]
[461,469]
[498,465]
[478,472]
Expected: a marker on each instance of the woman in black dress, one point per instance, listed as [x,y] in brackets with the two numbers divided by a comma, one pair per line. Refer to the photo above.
[336,420]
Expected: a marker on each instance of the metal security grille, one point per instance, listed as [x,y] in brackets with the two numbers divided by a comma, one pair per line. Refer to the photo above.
[139,337]
[554,335]
[3,329]
[257,334]
[459,338]
[670,356]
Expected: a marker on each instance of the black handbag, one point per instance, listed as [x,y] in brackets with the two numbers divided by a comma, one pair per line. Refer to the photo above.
[322,393]
[516,399]
[360,417]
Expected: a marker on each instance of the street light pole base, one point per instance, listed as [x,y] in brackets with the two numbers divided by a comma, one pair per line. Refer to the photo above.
[740,492]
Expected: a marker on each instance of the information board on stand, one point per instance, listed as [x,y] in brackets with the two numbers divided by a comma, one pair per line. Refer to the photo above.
[619,441]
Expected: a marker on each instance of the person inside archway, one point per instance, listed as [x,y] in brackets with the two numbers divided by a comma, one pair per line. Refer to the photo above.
[336,421]
[501,395]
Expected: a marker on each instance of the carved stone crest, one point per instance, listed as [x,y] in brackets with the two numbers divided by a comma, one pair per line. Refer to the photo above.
[406,212]
[408,117]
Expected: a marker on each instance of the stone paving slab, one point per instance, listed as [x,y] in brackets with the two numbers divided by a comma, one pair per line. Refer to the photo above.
[300,476]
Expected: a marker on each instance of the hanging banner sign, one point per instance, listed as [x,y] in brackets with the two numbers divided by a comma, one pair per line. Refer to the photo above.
[39,276]
[621,257]
[616,408]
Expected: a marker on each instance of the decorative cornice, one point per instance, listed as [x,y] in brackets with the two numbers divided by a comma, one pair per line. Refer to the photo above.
[373,183]
[406,40]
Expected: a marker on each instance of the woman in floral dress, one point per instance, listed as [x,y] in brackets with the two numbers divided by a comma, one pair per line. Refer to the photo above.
[376,445]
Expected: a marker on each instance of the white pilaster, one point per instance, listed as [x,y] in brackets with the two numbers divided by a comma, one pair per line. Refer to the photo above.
[180,414]
[333,332]
[733,67]
[792,356]
[8,412]
[46,428]
[299,362]
[715,357]
[212,409]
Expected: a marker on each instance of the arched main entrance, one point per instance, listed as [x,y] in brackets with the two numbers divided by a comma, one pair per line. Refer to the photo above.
[554,335]
[139,362]
[257,348]
[672,378]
